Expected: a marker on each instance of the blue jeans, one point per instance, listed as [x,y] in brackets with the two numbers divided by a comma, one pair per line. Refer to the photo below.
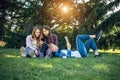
[61,54]
[84,48]
[28,49]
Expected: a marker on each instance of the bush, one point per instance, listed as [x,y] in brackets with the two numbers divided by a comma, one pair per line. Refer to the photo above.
[15,40]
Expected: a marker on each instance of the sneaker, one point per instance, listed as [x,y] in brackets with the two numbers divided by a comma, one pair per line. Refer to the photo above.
[36,52]
[99,34]
[32,54]
[48,53]
[98,56]
[23,51]
[41,55]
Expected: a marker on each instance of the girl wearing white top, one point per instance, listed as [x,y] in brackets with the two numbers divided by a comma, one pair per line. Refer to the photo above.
[32,43]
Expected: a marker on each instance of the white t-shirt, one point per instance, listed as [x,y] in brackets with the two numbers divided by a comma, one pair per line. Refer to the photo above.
[34,43]
[31,43]
[74,53]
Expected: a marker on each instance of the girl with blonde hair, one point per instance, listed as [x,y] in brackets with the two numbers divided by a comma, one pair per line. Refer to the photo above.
[32,43]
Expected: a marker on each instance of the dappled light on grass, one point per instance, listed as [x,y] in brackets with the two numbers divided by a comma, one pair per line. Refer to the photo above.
[107,51]
[102,67]
[57,59]
[77,65]
[110,51]
[15,67]
[11,56]
[45,65]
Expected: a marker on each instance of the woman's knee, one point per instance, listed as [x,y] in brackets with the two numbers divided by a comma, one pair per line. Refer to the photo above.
[78,36]
[28,49]
[53,47]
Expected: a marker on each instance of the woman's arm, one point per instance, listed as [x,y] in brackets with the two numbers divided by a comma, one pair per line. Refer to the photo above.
[67,43]
[29,42]
[55,39]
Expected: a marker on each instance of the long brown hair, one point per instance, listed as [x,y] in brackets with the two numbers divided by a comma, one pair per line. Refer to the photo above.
[46,27]
[38,39]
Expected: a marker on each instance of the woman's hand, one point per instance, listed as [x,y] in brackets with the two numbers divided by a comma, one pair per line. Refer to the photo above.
[67,43]
[40,44]
[68,46]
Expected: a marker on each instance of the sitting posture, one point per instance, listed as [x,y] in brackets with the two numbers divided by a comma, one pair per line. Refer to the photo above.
[32,44]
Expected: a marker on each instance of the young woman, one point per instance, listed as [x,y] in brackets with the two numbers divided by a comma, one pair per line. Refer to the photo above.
[50,39]
[32,44]
[82,49]
[67,53]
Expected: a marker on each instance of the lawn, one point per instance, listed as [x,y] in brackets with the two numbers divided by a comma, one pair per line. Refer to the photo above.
[14,67]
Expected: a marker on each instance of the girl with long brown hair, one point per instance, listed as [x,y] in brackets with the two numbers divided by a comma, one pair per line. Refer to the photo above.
[32,43]
[50,39]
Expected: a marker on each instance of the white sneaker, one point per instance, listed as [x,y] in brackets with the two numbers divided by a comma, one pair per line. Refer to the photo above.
[48,52]
[36,52]
[32,54]
[23,51]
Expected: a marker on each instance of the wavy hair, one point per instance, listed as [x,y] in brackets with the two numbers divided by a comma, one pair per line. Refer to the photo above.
[38,39]
[46,27]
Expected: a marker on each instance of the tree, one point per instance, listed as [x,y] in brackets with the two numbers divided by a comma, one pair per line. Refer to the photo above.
[20,16]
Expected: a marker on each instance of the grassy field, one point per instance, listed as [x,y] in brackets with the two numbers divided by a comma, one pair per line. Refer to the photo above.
[14,67]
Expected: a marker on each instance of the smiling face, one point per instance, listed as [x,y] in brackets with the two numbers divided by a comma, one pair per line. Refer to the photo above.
[37,33]
[46,32]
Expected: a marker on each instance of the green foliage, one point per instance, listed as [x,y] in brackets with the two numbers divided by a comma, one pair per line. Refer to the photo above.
[14,40]
[20,16]
[62,31]
[1,31]
[14,67]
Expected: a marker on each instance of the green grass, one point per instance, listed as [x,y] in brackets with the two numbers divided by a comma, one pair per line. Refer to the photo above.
[14,67]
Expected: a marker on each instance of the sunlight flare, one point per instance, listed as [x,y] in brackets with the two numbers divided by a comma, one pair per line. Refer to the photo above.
[65,9]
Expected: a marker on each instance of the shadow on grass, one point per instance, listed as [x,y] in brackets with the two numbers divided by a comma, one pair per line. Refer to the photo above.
[12,67]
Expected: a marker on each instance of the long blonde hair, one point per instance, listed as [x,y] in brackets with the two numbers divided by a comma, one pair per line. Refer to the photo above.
[38,39]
